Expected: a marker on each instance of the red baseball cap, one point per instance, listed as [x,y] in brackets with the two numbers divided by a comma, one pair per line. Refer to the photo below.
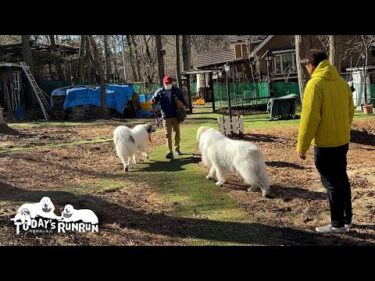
[167,80]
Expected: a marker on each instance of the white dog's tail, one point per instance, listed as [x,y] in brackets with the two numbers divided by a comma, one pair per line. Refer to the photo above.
[254,171]
[263,177]
[123,143]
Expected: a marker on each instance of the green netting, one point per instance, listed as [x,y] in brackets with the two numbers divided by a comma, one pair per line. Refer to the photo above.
[246,93]
[372,93]
[146,88]
[282,89]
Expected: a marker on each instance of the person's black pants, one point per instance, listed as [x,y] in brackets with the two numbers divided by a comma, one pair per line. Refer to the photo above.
[331,164]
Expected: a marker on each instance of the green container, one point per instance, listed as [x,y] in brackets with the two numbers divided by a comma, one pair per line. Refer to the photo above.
[282,108]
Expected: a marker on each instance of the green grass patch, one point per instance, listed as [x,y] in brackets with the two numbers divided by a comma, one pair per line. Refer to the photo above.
[97,186]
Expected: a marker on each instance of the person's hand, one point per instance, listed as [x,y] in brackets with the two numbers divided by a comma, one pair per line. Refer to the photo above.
[302,155]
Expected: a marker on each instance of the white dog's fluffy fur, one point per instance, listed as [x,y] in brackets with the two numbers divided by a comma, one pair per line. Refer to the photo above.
[130,140]
[73,215]
[224,155]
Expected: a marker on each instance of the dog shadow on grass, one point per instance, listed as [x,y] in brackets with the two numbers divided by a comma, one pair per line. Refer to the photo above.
[175,165]
[286,193]
[164,224]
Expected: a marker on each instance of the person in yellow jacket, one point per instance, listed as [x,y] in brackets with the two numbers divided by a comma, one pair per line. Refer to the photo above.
[326,119]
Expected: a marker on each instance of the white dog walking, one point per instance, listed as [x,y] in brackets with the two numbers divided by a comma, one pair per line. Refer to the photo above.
[224,155]
[130,140]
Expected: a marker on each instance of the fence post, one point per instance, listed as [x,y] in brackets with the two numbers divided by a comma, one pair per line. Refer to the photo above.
[241,126]
[220,121]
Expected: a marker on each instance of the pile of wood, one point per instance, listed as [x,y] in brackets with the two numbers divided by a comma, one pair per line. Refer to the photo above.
[84,112]
[58,107]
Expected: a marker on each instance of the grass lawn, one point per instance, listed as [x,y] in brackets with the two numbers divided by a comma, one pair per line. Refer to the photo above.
[181,182]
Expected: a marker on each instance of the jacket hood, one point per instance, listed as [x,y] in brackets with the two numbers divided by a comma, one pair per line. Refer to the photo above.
[326,71]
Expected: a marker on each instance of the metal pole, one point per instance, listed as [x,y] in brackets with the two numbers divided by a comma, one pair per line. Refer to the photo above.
[229,98]
[365,76]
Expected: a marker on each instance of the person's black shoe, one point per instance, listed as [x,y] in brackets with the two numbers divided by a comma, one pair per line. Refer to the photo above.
[178,152]
[169,155]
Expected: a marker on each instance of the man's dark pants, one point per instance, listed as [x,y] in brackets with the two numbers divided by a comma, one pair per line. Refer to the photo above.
[331,164]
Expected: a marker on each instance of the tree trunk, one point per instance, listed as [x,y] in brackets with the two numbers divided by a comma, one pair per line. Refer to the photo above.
[28,59]
[159,48]
[178,67]
[123,57]
[131,58]
[303,43]
[56,60]
[101,75]
[26,52]
[137,64]
[335,50]
[90,60]
[81,75]
[107,58]
[149,65]
[114,56]
[186,53]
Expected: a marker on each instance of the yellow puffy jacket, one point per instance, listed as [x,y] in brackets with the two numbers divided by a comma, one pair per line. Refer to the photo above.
[327,110]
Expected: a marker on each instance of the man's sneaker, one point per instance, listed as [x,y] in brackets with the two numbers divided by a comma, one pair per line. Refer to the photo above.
[169,155]
[178,152]
[330,229]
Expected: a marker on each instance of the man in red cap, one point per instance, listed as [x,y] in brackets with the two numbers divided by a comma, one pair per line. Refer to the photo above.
[168,96]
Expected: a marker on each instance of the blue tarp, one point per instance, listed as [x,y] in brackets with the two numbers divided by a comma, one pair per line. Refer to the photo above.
[117,96]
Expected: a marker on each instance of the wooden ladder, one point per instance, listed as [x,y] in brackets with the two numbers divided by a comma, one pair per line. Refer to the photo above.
[38,92]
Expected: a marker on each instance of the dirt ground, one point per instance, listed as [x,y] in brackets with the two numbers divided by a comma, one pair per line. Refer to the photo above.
[134,214]
[299,201]
[28,176]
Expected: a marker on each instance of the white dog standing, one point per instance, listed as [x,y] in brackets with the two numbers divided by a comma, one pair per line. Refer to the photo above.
[128,141]
[73,215]
[28,211]
[224,155]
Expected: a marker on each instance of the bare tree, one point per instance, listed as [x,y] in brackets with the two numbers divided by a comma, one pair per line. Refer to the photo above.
[336,50]
[149,62]
[186,53]
[137,64]
[123,56]
[159,55]
[56,59]
[99,68]
[131,58]
[107,57]
[26,52]
[324,41]
[302,44]
[115,53]
[178,67]
[82,47]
